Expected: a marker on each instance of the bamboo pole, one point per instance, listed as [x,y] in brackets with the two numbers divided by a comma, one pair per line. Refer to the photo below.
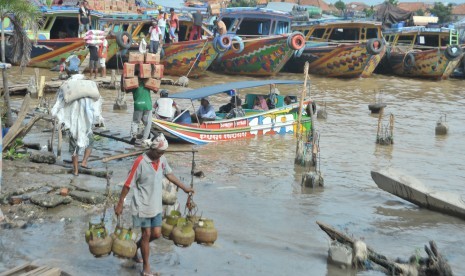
[300,144]
[137,152]
[380,119]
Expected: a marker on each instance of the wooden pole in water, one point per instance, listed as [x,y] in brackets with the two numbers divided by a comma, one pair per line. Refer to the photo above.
[113,79]
[380,119]
[300,143]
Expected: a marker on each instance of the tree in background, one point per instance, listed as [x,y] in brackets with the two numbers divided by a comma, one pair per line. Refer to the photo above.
[340,6]
[394,2]
[22,14]
[369,12]
[444,13]
[420,12]
[243,3]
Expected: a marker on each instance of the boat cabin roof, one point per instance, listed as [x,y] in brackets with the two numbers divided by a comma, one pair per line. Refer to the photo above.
[418,30]
[221,88]
[336,23]
[254,12]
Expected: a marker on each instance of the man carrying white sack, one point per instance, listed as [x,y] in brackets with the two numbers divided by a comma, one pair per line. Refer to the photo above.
[146,177]
[79,108]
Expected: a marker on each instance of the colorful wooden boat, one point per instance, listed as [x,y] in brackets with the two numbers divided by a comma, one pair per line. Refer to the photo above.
[57,37]
[431,53]
[339,48]
[280,120]
[262,42]
[178,58]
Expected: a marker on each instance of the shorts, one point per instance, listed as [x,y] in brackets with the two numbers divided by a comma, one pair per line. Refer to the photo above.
[102,62]
[74,148]
[83,27]
[93,64]
[147,222]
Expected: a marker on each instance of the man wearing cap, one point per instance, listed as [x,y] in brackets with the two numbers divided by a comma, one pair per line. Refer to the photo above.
[206,112]
[146,177]
[155,37]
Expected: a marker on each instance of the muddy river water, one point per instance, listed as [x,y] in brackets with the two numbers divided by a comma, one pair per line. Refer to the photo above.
[265,219]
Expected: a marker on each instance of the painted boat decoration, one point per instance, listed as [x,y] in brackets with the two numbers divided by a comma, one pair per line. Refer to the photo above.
[280,120]
[57,38]
[412,190]
[179,58]
[261,42]
[431,53]
[339,48]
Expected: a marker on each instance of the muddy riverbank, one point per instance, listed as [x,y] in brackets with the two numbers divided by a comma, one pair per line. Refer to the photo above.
[265,219]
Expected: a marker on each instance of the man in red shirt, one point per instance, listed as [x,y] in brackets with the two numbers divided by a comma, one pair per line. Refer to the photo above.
[174,25]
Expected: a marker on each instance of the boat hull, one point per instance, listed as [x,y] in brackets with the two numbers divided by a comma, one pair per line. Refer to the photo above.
[430,64]
[180,58]
[278,121]
[188,58]
[50,53]
[414,191]
[260,57]
[345,61]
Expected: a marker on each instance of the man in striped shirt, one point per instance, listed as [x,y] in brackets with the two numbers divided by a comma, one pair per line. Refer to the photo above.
[146,177]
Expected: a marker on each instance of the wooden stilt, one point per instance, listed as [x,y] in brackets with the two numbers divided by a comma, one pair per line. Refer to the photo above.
[60,140]
[300,148]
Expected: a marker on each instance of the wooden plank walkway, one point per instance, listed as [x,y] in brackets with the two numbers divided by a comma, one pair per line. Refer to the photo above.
[29,269]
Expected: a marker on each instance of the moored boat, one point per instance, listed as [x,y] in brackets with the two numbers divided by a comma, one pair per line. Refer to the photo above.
[57,37]
[262,42]
[421,52]
[179,58]
[282,119]
[412,190]
[346,49]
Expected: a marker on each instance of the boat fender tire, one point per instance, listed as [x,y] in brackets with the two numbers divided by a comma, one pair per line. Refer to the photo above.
[374,46]
[225,41]
[298,53]
[217,45]
[409,61]
[453,52]
[296,41]
[120,41]
[237,45]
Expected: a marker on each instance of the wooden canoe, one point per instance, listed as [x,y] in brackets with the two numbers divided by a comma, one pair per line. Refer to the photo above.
[412,190]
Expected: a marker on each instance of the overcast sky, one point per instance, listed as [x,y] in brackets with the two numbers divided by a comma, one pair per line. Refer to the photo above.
[374,2]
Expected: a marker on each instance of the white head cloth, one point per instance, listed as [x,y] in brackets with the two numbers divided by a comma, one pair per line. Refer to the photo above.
[158,143]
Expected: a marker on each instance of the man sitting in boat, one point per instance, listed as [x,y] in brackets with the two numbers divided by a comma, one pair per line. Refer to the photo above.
[227,107]
[236,110]
[206,112]
[165,108]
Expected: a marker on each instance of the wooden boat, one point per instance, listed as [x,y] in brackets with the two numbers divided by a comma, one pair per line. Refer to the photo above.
[280,120]
[339,48]
[31,269]
[262,42]
[178,58]
[412,190]
[57,37]
[431,53]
